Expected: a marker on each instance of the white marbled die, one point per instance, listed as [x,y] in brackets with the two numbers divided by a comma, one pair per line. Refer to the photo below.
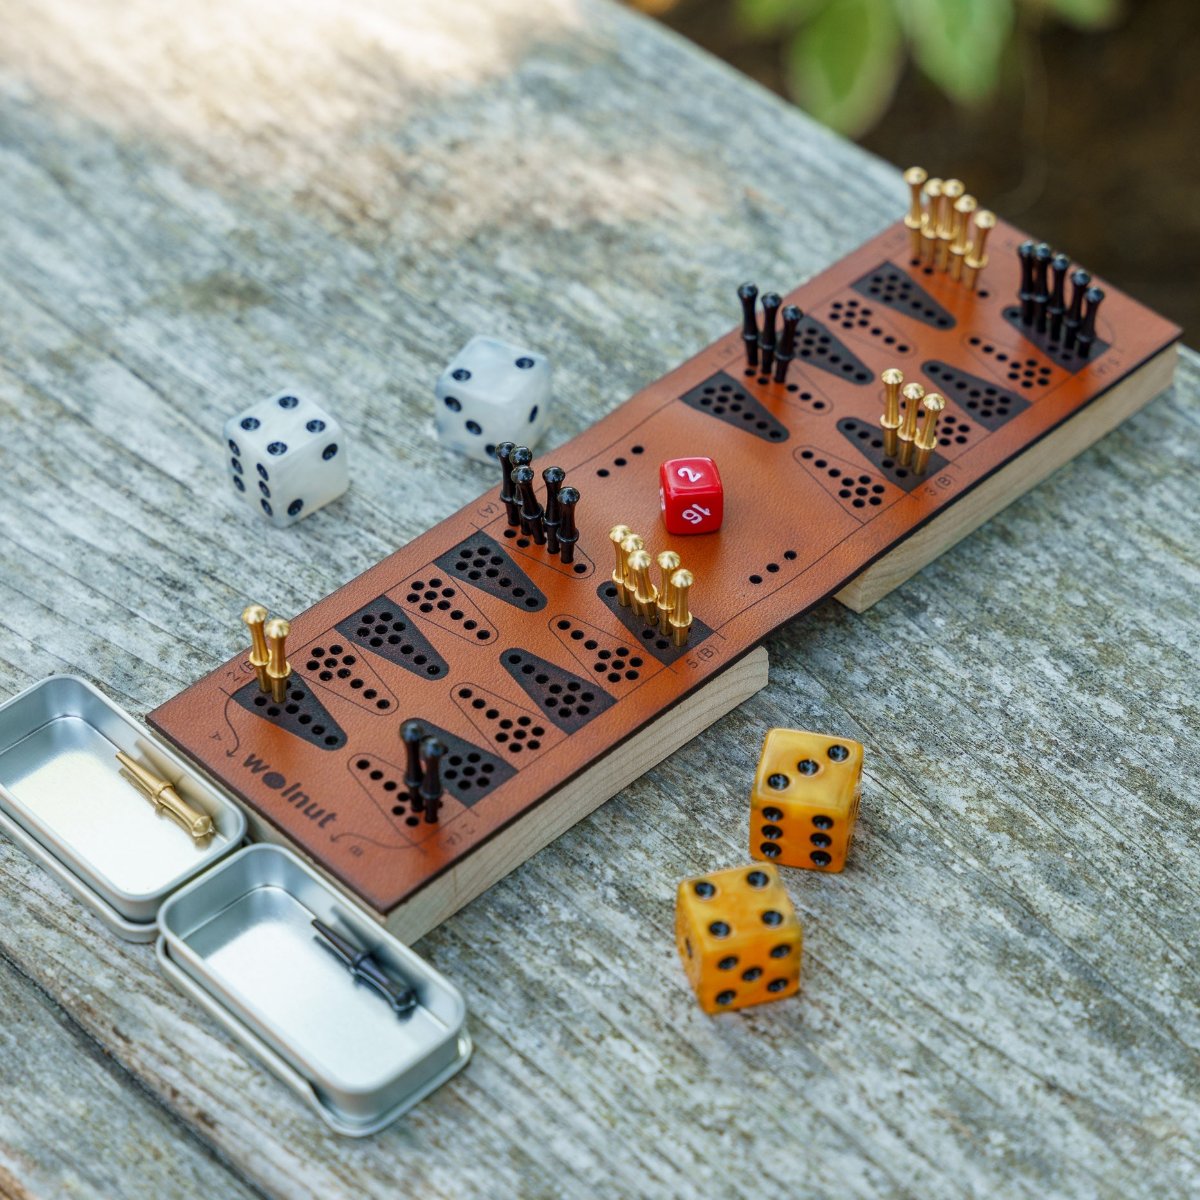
[287,457]
[493,392]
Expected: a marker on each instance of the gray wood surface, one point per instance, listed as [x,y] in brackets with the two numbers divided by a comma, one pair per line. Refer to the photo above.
[203,203]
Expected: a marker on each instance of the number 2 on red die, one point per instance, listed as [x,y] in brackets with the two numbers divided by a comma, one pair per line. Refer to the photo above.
[691,495]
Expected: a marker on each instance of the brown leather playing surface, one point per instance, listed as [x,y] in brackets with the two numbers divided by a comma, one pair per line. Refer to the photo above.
[807,507]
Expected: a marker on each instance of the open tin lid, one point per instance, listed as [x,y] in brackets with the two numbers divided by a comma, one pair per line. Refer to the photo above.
[343,1012]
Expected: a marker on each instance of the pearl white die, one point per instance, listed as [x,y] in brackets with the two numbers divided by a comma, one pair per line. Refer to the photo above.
[492,392]
[287,457]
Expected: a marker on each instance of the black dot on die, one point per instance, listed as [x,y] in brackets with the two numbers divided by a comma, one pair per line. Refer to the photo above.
[525,363]
[719,929]
[330,451]
[776,985]
[780,951]
[237,483]
[533,412]
[758,879]
[233,447]
[771,917]
[266,507]
[250,422]
[778,782]
[727,963]
[277,448]
[453,403]
[315,426]
[288,402]
[839,753]
[725,997]
[807,767]
[474,427]
[295,507]
[751,974]
[704,889]
[461,374]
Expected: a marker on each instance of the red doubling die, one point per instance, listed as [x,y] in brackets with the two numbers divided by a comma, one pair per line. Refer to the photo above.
[691,495]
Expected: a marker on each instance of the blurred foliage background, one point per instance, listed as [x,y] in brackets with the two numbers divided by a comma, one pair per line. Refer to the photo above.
[1079,120]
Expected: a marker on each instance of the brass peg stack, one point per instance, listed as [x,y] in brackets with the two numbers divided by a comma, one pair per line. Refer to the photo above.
[162,794]
[926,440]
[617,535]
[952,192]
[645,595]
[254,616]
[929,220]
[976,258]
[681,618]
[915,178]
[964,206]
[913,394]
[889,422]
[630,545]
[668,563]
[278,667]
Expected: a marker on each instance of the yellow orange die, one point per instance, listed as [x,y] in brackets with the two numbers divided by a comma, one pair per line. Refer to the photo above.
[805,799]
[738,937]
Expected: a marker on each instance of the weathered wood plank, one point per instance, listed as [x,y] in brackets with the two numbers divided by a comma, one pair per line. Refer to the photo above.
[999,992]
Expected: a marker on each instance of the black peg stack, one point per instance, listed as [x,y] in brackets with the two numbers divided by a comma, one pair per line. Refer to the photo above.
[422,770]
[1043,306]
[764,353]
[553,526]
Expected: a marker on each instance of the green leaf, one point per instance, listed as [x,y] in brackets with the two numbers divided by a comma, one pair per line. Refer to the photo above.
[843,64]
[767,16]
[1087,14]
[959,43]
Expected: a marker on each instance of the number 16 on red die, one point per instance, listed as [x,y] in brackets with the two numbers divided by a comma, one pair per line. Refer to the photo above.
[691,495]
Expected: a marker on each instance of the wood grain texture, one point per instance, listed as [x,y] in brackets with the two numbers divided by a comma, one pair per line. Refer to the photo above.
[999,992]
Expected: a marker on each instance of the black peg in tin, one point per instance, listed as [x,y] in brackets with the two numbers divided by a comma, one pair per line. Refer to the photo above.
[1080,282]
[792,317]
[1041,285]
[362,965]
[432,752]
[1057,307]
[568,532]
[1087,330]
[411,734]
[531,510]
[748,295]
[507,497]
[766,340]
[552,517]
[1025,294]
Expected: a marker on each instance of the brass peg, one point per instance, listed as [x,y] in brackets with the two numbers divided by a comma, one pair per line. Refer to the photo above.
[628,546]
[976,258]
[253,617]
[645,597]
[889,422]
[926,440]
[952,191]
[681,618]
[913,394]
[964,206]
[162,794]
[915,178]
[668,564]
[617,534]
[929,219]
[278,667]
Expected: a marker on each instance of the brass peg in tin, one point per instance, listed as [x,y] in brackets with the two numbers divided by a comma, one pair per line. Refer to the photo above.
[668,563]
[162,794]
[915,178]
[976,258]
[929,220]
[926,439]
[632,543]
[645,593]
[617,535]
[681,618]
[964,206]
[913,394]
[952,191]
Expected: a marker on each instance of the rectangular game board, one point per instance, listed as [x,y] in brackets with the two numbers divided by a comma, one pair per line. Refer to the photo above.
[542,686]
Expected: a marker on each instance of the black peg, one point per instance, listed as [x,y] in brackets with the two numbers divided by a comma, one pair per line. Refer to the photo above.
[1041,285]
[1058,299]
[1025,295]
[431,781]
[792,317]
[531,510]
[507,498]
[552,516]
[748,295]
[568,532]
[1080,282]
[412,735]
[1087,331]
[766,340]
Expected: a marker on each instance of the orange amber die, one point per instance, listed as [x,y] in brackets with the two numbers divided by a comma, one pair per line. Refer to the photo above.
[738,937]
[805,799]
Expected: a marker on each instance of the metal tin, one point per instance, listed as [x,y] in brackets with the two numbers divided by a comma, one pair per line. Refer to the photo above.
[240,940]
[63,800]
